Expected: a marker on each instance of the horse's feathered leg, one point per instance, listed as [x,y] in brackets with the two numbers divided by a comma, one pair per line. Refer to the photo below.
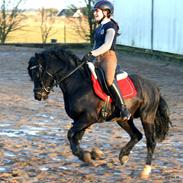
[135,135]
[74,138]
[151,142]
[148,122]
[75,134]
[149,130]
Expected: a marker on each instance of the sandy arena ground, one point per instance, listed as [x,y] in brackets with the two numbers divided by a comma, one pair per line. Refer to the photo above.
[33,135]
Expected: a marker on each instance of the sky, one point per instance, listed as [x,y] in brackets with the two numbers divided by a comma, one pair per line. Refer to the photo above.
[58,4]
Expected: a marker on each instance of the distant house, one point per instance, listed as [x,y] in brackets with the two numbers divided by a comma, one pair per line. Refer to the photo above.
[78,13]
[66,13]
[70,13]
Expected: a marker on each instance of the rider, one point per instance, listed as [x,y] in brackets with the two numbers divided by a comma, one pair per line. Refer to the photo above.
[104,51]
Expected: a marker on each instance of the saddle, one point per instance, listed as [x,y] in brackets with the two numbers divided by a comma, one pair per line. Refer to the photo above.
[100,86]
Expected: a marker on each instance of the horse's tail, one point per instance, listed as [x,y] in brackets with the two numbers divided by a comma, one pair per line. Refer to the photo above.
[162,120]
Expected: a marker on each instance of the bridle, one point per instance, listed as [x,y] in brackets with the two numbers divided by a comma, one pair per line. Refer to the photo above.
[47,89]
[57,82]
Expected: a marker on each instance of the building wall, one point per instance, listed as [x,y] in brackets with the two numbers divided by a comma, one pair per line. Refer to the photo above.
[135,20]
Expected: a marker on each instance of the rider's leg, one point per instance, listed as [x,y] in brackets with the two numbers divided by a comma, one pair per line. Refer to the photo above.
[121,110]
[109,64]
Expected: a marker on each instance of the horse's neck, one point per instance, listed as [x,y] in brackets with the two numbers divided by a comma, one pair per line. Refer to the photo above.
[79,80]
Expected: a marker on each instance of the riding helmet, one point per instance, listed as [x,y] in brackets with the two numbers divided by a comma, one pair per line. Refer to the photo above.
[104,5]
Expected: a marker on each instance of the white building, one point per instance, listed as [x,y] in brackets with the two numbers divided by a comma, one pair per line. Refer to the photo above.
[78,14]
[151,24]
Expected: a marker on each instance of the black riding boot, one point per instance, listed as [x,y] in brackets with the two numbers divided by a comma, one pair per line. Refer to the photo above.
[121,110]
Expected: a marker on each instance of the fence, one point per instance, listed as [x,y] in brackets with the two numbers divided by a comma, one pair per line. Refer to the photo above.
[151,24]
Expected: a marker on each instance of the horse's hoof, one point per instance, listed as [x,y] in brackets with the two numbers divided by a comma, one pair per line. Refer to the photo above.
[86,157]
[146,172]
[124,159]
[97,154]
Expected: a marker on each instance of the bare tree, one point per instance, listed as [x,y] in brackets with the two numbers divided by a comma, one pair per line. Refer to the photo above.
[47,22]
[79,27]
[92,24]
[11,18]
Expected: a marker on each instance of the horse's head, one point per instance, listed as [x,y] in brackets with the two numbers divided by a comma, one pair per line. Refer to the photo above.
[38,70]
[50,66]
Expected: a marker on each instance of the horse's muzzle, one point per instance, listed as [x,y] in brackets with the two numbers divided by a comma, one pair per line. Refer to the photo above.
[41,95]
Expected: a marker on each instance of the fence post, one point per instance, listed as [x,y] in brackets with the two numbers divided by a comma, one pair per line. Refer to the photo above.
[64,33]
[152,25]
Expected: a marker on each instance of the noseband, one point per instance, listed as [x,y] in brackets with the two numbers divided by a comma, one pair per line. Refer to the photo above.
[47,89]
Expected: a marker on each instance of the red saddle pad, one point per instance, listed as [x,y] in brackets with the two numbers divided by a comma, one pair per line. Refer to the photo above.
[126,86]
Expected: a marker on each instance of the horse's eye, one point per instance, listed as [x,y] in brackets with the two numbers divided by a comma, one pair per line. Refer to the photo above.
[35,74]
[40,69]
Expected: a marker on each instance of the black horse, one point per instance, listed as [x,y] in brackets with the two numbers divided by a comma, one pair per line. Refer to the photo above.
[61,67]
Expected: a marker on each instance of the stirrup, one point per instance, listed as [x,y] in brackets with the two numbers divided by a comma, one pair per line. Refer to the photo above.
[126,117]
[119,115]
[125,114]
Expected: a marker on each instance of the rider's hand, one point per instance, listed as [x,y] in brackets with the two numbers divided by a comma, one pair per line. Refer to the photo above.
[88,57]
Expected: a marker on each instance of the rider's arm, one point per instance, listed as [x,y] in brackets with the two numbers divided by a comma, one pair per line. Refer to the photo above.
[107,43]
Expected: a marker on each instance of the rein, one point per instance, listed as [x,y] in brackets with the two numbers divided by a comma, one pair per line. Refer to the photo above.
[47,89]
[69,74]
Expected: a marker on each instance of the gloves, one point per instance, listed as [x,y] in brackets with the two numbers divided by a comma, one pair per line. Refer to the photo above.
[88,57]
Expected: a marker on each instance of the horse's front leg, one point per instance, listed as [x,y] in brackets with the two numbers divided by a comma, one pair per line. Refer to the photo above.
[75,134]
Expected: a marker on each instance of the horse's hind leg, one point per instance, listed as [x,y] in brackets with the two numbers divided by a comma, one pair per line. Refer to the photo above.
[149,130]
[135,136]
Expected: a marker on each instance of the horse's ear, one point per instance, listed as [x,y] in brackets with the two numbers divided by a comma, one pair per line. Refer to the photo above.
[36,55]
[31,62]
[39,57]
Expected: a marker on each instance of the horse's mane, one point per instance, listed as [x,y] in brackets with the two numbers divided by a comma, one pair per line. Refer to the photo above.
[61,52]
